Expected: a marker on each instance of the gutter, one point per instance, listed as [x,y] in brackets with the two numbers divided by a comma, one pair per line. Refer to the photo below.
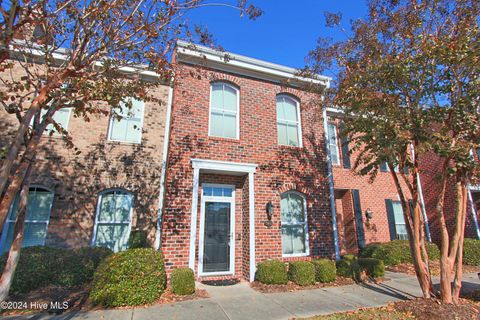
[166,139]
[331,188]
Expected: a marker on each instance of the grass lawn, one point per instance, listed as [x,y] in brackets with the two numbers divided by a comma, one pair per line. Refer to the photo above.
[386,313]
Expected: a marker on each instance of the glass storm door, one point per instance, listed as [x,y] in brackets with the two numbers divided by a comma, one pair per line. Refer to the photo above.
[216,255]
[217,208]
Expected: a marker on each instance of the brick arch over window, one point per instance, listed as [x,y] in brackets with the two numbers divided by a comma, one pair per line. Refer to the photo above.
[234,81]
[293,187]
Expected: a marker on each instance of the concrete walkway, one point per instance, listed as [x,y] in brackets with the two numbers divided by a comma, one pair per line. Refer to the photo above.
[241,302]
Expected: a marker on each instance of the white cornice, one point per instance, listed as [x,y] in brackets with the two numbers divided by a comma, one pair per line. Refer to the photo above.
[235,63]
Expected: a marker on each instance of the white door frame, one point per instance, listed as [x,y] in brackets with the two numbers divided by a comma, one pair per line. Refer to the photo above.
[201,244]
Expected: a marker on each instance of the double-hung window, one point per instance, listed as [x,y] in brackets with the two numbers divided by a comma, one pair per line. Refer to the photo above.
[288,121]
[333,143]
[126,125]
[61,117]
[113,220]
[293,210]
[224,114]
[400,227]
[39,206]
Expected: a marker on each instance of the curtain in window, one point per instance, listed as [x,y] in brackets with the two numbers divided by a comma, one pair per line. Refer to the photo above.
[287,121]
[224,106]
[112,226]
[292,208]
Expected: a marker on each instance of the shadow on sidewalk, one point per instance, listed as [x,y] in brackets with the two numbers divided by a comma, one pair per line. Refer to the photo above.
[387,290]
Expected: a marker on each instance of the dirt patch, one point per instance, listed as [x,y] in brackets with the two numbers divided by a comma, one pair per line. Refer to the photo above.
[290,286]
[434,268]
[434,309]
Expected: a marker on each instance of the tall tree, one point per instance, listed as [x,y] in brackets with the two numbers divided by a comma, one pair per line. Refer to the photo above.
[76,54]
[407,81]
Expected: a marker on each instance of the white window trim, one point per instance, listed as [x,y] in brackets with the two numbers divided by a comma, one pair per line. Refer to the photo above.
[3,238]
[224,199]
[110,127]
[237,137]
[299,122]
[99,202]
[335,163]
[305,223]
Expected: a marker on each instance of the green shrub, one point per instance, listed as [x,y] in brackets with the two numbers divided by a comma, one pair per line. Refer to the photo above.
[356,271]
[373,267]
[349,257]
[301,272]
[471,252]
[396,252]
[41,266]
[183,281]
[271,272]
[138,239]
[129,278]
[325,270]
[344,268]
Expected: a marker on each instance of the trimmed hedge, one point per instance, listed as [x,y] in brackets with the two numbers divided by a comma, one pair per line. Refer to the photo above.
[42,266]
[271,272]
[138,239]
[129,278]
[471,252]
[183,281]
[396,252]
[325,270]
[301,272]
[344,268]
[373,267]
[349,257]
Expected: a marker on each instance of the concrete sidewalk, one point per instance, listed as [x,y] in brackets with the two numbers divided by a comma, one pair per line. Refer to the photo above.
[241,302]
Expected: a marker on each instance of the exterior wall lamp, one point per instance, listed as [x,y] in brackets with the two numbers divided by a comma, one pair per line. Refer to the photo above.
[368,214]
[269,209]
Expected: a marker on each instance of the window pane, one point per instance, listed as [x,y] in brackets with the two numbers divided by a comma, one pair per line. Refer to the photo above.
[287,246]
[230,99]
[401,229]
[107,208]
[229,126]
[123,207]
[39,203]
[292,208]
[227,192]
[280,109]
[292,132]
[298,239]
[134,130]
[34,234]
[217,96]
[207,191]
[119,129]
[282,134]
[332,141]
[216,124]
[114,237]
[290,108]
[398,212]
[9,237]
[217,192]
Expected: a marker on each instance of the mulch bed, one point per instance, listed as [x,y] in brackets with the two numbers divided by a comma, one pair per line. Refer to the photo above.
[434,309]
[290,286]
[77,298]
[434,268]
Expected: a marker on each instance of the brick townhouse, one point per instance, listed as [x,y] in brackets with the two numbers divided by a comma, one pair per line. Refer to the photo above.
[238,164]
[248,173]
[98,196]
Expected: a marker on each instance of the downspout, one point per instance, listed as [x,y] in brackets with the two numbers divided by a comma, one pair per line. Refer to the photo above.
[474,212]
[166,140]
[422,202]
[330,186]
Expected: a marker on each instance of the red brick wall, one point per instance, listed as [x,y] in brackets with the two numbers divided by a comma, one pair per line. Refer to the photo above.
[279,167]
[77,179]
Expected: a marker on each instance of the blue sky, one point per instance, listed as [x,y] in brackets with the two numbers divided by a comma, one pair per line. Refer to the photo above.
[283,34]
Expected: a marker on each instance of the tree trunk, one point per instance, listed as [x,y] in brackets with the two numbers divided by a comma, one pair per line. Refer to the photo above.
[445,265]
[462,212]
[421,269]
[14,252]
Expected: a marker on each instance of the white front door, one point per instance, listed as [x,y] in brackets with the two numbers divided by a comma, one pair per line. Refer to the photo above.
[217,229]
